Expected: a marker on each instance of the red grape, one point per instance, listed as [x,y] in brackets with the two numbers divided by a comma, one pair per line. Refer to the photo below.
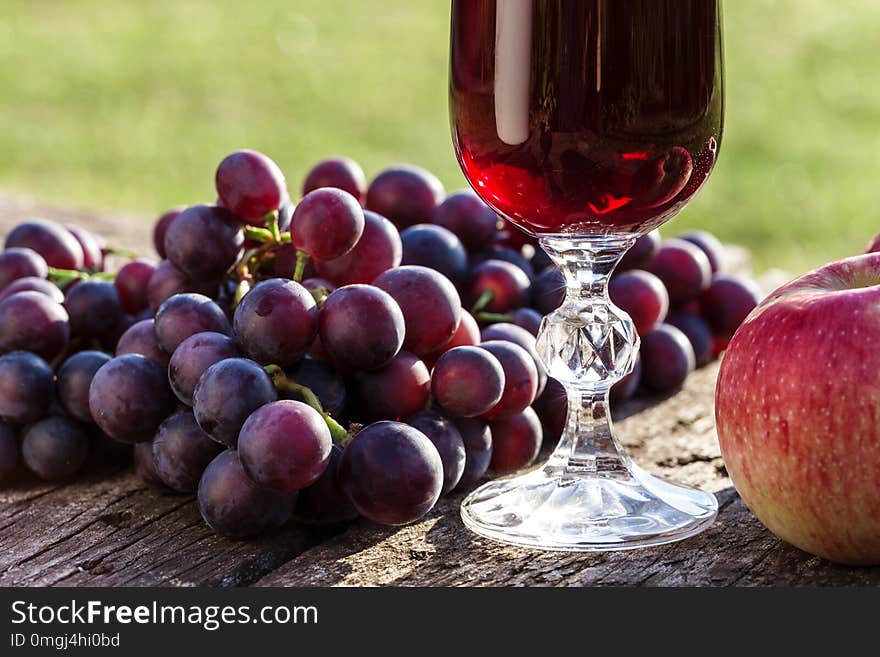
[129,397]
[250,184]
[548,290]
[361,327]
[708,244]
[466,335]
[340,172]
[227,393]
[626,387]
[506,285]
[19,262]
[26,383]
[505,254]
[430,304]
[327,223]
[182,451]
[284,445]
[168,280]
[52,241]
[477,439]
[406,194]
[324,502]
[516,441]
[94,309]
[131,283]
[434,247]
[8,450]
[161,227]
[93,256]
[552,408]
[392,473]
[379,249]
[667,358]
[527,319]
[195,355]
[54,448]
[184,315]
[276,322]
[74,378]
[446,438]
[204,241]
[33,284]
[33,321]
[140,338]
[698,333]
[727,302]
[642,296]
[520,379]
[518,335]
[465,214]
[641,253]
[467,381]
[235,506]
[683,268]
[398,390]
[323,380]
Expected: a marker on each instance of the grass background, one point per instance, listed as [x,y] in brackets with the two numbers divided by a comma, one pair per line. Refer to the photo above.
[129,105]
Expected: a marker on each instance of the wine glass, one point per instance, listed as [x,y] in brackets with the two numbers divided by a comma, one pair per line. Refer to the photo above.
[587,124]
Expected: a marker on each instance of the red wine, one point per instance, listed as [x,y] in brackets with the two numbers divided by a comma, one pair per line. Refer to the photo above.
[587,116]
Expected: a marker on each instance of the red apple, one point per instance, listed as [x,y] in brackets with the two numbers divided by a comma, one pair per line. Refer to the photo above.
[797,406]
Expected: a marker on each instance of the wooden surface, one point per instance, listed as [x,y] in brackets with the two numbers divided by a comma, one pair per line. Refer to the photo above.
[108,529]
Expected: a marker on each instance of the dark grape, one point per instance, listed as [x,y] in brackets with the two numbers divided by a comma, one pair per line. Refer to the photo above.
[94,309]
[379,249]
[184,315]
[465,214]
[195,355]
[250,184]
[698,333]
[26,383]
[52,241]
[32,321]
[54,448]
[641,253]
[182,451]
[667,358]
[322,379]
[466,335]
[514,238]
[93,256]
[516,441]
[504,254]
[140,338]
[161,227]
[324,502]
[227,393]
[430,305]
[406,194]
[642,296]
[727,302]
[129,397]
[276,322]
[477,439]
[552,409]
[708,244]
[528,319]
[683,268]
[625,389]
[434,247]
[392,473]
[327,223]
[168,280]
[506,286]
[467,381]
[285,215]
[284,445]
[74,378]
[548,290]
[8,451]
[340,172]
[131,283]
[204,241]
[234,505]
[33,284]
[19,262]
[540,261]
[361,327]
[520,379]
[518,335]
[398,390]
[445,436]
[145,466]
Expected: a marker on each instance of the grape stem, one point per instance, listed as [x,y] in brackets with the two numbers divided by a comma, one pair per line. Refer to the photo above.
[63,277]
[494,318]
[112,249]
[271,220]
[258,234]
[301,259]
[284,384]
[484,300]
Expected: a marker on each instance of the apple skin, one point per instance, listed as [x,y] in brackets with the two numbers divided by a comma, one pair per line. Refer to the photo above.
[797,409]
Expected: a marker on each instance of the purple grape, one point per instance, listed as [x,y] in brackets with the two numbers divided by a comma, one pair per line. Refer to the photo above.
[683,268]
[234,505]
[284,445]
[54,448]
[406,194]
[161,227]
[168,280]
[250,184]
[727,302]
[204,241]
[477,439]
[467,381]
[324,502]
[516,441]
[339,172]
[195,355]
[18,262]
[94,309]
[642,296]
[74,379]
[520,379]
[132,281]
[34,322]
[140,338]
[504,254]
[708,244]
[507,285]
[182,451]
[471,220]
[184,315]
[145,466]
[327,223]
[378,250]
[8,450]
[51,240]
[430,305]
[445,436]
[129,397]
[398,390]
[626,388]
[698,333]
[527,319]
[361,327]
[667,358]
[26,383]
[227,393]
[641,253]
[276,322]
[322,379]
[519,336]
[33,284]
[548,290]
[392,473]
[552,409]
[434,247]
[93,256]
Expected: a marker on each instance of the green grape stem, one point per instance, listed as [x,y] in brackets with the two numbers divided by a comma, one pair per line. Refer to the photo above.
[484,300]
[284,384]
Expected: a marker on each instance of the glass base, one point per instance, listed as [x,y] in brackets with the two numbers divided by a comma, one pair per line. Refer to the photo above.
[552,509]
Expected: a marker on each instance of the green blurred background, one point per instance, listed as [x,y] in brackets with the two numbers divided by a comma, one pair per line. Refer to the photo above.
[129,105]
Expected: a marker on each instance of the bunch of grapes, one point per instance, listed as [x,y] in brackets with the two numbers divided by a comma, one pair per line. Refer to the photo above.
[359,352]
